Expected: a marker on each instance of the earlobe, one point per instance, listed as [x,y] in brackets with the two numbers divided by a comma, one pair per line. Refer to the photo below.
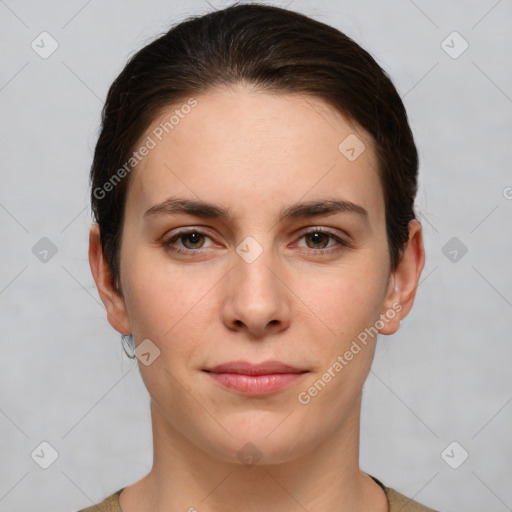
[405,278]
[111,298]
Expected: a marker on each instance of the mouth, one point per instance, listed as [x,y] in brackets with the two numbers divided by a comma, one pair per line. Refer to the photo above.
[255,379]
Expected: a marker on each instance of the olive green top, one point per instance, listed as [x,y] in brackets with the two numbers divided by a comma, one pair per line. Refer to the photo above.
[397,502]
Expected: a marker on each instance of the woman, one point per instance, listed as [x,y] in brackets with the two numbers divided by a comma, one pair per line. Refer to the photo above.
[253,186]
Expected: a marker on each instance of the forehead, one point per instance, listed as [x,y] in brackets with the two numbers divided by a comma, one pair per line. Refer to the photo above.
[245,148]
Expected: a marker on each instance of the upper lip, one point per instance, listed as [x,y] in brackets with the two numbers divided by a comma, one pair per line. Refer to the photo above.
[246,368]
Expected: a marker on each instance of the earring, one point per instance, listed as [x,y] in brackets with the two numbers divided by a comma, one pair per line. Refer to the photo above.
[128,343]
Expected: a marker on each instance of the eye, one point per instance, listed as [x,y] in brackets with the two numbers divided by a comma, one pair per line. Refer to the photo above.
[190,237]
[192,241]
[320,237]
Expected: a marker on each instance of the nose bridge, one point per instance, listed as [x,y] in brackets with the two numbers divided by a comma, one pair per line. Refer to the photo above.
[257,296]
[255,256]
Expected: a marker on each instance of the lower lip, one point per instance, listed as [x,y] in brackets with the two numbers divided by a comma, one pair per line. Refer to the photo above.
[255,385]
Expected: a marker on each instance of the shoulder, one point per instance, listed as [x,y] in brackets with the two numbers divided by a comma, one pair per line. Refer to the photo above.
[109,504]
[400,503]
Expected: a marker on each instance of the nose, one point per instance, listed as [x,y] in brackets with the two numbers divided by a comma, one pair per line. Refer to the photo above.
[256,296]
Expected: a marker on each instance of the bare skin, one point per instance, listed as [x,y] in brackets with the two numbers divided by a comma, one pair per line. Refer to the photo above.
[256,153]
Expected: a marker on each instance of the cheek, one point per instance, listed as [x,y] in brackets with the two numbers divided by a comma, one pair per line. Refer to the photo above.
[162,298]
[155,301]
[168,304]
[343,301]
[347,306]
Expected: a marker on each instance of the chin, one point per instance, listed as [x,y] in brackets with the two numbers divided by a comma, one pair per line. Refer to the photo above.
[259,446]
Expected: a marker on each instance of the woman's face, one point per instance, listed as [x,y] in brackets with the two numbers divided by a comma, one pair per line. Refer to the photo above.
[251,284]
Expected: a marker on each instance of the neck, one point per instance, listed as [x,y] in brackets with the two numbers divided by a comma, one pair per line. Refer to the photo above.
[186,478]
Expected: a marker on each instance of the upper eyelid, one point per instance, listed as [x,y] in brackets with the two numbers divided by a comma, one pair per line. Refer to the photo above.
[204,230]
[302,232]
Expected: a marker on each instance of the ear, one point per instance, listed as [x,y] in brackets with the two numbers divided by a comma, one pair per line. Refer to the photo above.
[111,298]
[403,282]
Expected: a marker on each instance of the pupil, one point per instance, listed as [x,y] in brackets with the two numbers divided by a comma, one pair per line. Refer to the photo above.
[194,236]
[317,237]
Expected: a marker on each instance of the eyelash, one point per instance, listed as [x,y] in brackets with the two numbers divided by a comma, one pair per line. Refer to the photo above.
[168,244]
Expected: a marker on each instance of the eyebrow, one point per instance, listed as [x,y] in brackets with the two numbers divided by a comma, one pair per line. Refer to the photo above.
[205,209]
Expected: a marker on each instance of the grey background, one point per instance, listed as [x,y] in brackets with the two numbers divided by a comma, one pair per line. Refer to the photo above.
[443,377]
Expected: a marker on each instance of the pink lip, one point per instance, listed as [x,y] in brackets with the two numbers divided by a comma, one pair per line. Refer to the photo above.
[255,379]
